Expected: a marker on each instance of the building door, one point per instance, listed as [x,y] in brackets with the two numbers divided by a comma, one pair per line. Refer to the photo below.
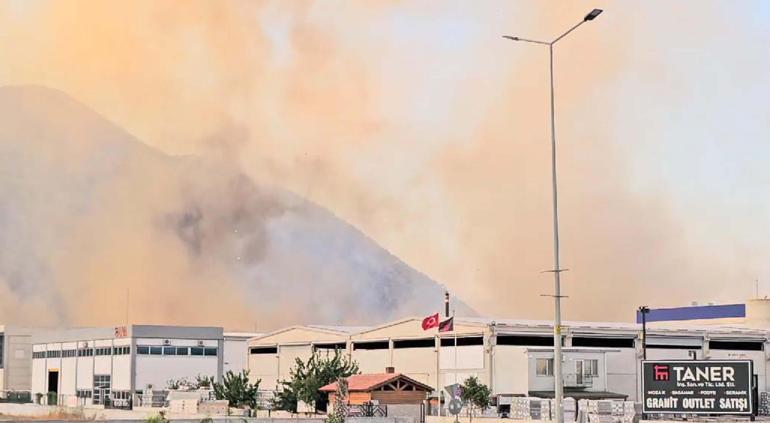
[102,387]
[53,387]
[579,373]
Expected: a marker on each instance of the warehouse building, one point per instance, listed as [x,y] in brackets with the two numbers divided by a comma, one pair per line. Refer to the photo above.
[513,357]
[112,366]
[272,356]
[15,361]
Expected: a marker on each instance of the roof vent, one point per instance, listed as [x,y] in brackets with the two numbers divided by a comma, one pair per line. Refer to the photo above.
[390,370]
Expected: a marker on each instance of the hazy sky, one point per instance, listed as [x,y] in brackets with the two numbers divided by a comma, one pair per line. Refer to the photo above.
[417,123]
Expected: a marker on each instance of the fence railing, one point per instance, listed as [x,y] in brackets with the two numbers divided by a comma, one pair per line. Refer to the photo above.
[19,397]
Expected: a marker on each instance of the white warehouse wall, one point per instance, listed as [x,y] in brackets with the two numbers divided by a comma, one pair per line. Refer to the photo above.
[511,365]
[621,372]
[372,361]
[417,363]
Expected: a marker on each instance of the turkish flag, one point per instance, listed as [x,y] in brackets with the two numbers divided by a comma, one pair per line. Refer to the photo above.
[430,322]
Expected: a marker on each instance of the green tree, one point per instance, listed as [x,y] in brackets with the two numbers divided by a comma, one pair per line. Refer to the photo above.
[236,389]
[475,395]
[306,378]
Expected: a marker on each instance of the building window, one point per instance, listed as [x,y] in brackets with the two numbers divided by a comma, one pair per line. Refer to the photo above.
[121,350]
[263,350]
[169,350]
[143,350]
[53,354]
[156,350]
[82,393]
[69,353]
[210,352]
[182,351]
[196,351]
[544,367]
[371,345]
[38,354]
[415,343]
[591,367]
[85,352]
[463,341]
[103,351]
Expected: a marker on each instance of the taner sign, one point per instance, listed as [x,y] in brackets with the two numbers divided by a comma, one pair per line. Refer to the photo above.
[697,387]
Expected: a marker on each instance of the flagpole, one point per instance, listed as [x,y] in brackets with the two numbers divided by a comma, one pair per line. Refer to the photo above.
[455,333]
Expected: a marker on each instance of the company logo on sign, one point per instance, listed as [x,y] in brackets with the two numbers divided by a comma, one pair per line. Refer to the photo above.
[660,372]
[121,332]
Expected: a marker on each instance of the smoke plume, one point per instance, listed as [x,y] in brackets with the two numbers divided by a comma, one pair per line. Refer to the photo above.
[414,122]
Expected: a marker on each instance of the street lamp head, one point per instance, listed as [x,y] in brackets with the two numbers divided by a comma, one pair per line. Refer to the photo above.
[592,14]
[644,309]
[510,37]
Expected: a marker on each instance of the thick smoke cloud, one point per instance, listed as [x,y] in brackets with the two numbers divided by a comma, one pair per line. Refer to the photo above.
[418,124]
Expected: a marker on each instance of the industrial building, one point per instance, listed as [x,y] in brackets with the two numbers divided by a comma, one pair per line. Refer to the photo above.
[513,357]
[112,366]
[15,360]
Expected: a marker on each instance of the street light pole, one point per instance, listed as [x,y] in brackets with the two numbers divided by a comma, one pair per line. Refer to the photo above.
[557,338]
[643,310]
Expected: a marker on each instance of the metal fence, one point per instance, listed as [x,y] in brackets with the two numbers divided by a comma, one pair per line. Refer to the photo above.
[19,397]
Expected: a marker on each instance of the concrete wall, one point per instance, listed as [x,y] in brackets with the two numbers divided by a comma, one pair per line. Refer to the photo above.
[265,368]
[288,358]
[621,369]
[511,366]
[417,363]
[373,361]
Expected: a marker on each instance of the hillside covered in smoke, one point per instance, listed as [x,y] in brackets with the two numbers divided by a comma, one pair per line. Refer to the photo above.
[96,226]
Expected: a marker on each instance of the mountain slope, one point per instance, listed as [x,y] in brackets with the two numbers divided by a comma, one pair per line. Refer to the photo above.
[97,227]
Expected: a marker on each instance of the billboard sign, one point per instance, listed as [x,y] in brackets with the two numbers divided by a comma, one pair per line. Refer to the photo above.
[697,386]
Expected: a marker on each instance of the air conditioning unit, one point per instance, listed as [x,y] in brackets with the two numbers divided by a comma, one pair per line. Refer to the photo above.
[166,342]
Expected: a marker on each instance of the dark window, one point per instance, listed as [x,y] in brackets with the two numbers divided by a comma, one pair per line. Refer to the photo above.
[156,351]
[415,343]
[169,350]
[736,345]
[374,345]
[38,354]
[526,340]
[332,346]
[263,350]
[182,351]
[196,351]
[462,341]
[121,350]
[143,350]
[211,352]
[673,347]
[602,342]
[53,354]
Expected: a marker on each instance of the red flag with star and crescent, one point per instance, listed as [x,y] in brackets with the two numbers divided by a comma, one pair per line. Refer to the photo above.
[430,322]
